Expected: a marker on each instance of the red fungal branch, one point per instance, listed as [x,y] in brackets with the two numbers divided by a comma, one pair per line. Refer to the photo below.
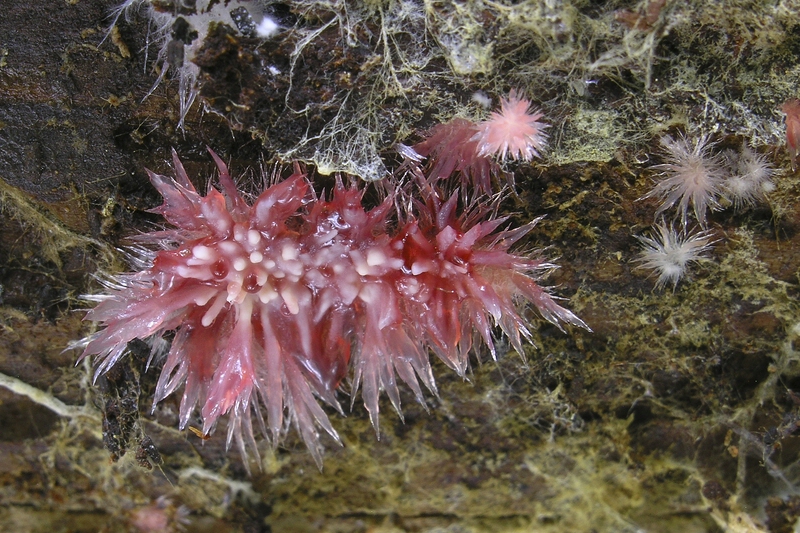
[791,109]
[270,312]
[644,20]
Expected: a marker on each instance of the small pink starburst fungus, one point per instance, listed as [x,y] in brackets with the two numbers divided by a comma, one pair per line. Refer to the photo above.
[275,303]
[468,148]
[514,131]
[690,175]
[668,253]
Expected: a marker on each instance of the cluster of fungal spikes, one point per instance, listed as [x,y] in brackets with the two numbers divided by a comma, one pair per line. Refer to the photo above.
[277,301]
[463,147]
[791,108]
[694,175]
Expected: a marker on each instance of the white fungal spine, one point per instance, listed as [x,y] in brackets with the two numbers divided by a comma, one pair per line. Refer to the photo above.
[668,252]
[690,175]
[750,178]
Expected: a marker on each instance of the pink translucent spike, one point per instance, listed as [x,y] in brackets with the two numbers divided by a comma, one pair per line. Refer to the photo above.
[279,202]
[180,173]
[234,376]
[272,381]
[238,207]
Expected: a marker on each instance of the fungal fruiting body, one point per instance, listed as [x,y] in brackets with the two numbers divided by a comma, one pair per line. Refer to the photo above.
[749,180]
[791,109]
[514,131]
[668,252]
[466,147]
[694,175]
[690,175]
[277,301]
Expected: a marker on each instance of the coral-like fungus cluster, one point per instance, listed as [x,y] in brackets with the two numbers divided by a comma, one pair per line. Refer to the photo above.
[277,302]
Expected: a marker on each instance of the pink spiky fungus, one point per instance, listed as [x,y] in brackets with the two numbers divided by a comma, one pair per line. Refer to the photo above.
[277,301]
[513,131]
[468,148]
[792,111]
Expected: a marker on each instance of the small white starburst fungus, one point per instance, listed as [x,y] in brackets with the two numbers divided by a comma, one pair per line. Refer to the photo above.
[691,175]
[749,182]
[668,252]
